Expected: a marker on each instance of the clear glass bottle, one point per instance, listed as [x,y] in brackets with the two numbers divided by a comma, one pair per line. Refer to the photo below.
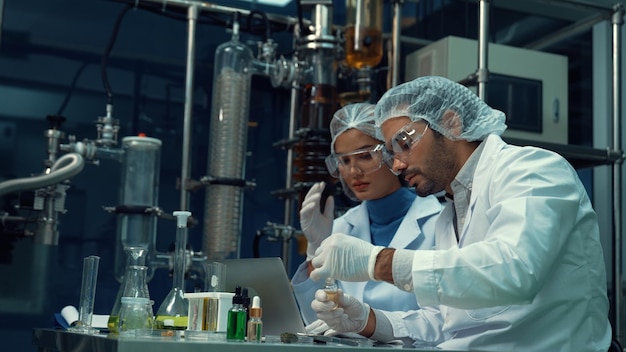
[135,317]
[173,311]
[236,326]
[134,284]
[330,287]
[255,324]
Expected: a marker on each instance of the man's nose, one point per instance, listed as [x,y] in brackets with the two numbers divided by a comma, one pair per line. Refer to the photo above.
[399,165]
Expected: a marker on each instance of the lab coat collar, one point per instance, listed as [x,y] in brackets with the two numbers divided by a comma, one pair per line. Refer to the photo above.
[409,229]
[492,146]
[422,208]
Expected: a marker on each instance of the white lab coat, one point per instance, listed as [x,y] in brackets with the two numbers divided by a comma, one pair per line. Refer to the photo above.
[416,231]
[529,250]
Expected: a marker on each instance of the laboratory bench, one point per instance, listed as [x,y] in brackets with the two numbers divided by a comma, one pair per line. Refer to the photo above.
[56,340]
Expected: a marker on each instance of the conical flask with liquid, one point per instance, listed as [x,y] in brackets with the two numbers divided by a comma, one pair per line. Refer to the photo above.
[134,284]
[172,314]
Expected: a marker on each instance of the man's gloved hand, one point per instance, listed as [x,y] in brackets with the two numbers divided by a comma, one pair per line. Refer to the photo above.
[346,258]
[349,316]
[315,225]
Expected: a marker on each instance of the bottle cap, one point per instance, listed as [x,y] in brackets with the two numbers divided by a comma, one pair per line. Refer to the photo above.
[255,310]
[237,298]
[256,302]
[181,217]
[245,299]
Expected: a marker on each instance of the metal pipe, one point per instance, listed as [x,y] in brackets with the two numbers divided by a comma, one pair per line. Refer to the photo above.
[567,32]
[293,116]
[482,74]
[58,173]
[617,21]
[191,51]
[395,35]
[209,7]
[581,4]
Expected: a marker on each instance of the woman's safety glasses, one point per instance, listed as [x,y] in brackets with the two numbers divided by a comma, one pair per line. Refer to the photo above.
[364,161]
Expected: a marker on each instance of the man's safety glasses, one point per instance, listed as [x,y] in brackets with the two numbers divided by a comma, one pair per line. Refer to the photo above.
[402,143]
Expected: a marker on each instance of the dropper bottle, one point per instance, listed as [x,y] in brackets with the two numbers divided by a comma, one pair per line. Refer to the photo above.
[255,324]
[236,323]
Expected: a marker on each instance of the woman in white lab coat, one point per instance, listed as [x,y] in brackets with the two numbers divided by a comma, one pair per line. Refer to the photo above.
[390,215]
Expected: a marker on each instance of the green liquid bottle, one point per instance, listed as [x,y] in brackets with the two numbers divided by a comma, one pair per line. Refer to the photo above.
[237,315]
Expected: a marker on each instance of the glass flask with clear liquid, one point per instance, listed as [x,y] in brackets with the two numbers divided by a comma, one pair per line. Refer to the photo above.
[363,33]
[173,312]
[134,284]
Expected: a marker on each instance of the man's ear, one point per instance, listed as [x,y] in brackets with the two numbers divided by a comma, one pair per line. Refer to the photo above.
[451,121]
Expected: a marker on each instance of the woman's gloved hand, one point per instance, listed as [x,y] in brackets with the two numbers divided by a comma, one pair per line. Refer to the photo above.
[318,327]
[346,258]
[349,316]
[316,225]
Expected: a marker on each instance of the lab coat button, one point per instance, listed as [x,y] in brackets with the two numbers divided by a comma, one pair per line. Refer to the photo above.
[408,287]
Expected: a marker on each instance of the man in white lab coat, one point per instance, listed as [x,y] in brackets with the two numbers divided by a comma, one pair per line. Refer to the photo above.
[389,214]
[518,264]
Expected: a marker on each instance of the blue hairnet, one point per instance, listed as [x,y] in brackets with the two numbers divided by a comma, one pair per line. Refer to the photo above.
[438,99]
[359,116]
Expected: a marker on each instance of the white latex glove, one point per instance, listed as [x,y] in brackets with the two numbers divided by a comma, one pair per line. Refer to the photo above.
[315,225]
[346,258]
[318,327]
[349,316]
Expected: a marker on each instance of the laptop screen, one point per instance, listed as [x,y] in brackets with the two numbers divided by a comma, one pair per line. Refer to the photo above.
[267,278]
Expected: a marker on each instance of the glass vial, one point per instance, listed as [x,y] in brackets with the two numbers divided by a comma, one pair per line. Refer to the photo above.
[330,287]
[363,33]
[255,324]
[236,326]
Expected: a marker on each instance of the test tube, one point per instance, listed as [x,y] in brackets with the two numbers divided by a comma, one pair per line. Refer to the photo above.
[87,295]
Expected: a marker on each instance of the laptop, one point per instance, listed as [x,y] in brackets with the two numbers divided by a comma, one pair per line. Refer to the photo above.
[267,278]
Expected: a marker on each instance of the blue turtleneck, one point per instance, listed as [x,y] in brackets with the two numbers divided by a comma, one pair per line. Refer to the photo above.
[386,214]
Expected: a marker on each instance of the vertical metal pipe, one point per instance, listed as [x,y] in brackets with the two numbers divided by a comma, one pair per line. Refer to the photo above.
[396,33]
[617,21]
[192,15]
[483,49]
[288,215]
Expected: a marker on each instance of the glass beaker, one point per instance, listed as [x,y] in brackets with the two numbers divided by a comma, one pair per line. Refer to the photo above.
[363,33]
[134,284]
[172,313]
[135,316]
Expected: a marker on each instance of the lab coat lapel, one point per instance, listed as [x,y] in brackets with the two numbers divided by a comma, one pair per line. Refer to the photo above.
[409,229]
[493,145]
[358,218]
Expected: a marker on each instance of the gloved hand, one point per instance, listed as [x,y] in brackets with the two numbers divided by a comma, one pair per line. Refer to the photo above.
[318,327]
[315,225]
[346,258]
[350,316]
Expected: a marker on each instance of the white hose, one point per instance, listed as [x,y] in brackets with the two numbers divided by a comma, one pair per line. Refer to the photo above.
[58,173]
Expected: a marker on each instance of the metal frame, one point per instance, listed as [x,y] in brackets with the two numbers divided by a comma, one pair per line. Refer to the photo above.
[615,14]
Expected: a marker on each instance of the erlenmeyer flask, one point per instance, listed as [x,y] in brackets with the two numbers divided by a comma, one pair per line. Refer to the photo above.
[173,312]
[134,284]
